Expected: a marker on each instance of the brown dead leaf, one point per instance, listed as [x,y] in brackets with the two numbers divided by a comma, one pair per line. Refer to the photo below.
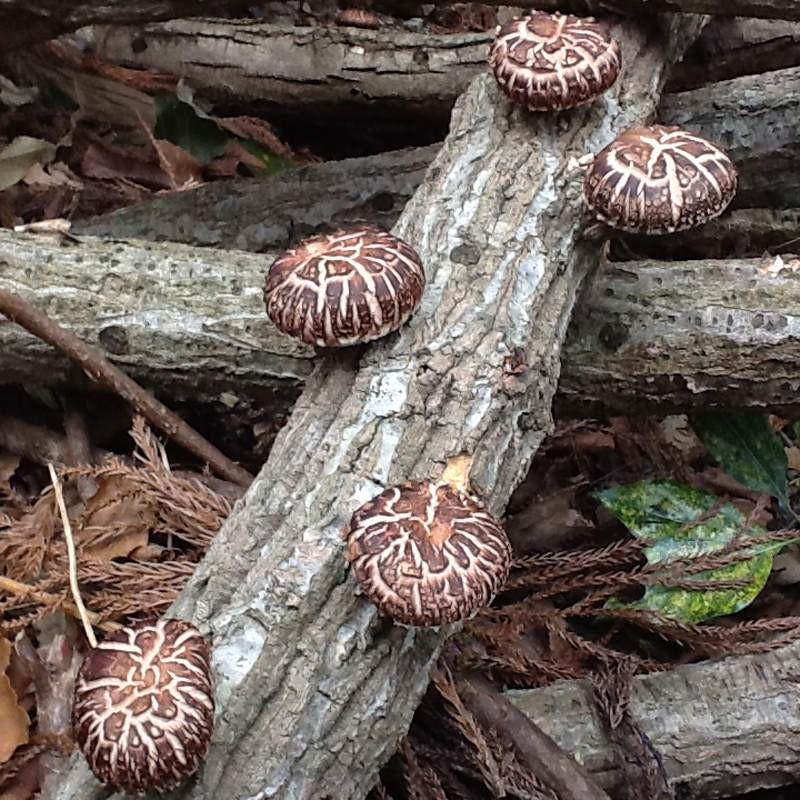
[104,161]
[227,165]
[793,457]
[677,432]
[182,168]
[58,174]
[594,441]
[548,523]
[8,466]
[15,722]
[258,131]
[116,520]
[24,784]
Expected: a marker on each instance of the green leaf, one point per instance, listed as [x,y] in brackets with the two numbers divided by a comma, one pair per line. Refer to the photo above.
[746,447]
[178,123]
[661,513]
[272,163]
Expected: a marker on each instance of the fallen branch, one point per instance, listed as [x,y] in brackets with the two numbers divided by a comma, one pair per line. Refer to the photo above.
[770,9]
[729,48]
[198,328]
[99,370]
[753,117]
[534,748]
[22,22]
[681,334]
[301,662]
[722,728]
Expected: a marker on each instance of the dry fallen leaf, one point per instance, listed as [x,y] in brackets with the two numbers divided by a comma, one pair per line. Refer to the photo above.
[15,722]
[116,520]
[793,457]
[20,155]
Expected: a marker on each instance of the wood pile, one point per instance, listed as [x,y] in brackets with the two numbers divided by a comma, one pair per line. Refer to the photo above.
[604,324]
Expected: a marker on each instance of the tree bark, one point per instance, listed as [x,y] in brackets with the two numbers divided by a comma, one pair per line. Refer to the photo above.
[661,335]
[754,118]
[23,22]
[769,9]
[730,48]
[276,212]
[313,690]
[722,727]
[743,233]
[191,324]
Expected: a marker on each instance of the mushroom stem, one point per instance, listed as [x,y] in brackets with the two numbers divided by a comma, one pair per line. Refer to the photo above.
[73,561]
[456,473]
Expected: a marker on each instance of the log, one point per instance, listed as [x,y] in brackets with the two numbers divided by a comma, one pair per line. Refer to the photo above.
[313,690]
[23,22]
[768,9]
[754,118]
[662,335]
[190,323]
[344,73]
[730,48]
[722,727]
[747,232]
[276,212]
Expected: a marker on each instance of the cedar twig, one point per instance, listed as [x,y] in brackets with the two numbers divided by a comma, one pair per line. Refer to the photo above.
[104,373]
[47,599]
[73,561]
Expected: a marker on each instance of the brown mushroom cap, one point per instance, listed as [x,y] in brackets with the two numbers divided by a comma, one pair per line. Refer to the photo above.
[426,554]
[547,62]
[658,180]
[144,709]
[343,288]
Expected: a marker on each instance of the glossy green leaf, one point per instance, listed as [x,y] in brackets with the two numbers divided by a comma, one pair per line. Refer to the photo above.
[746,447]
[661,513]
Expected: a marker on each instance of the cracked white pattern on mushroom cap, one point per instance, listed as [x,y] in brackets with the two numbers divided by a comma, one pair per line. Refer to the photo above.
[426,554]
[144,710]
[659,180]
[547,62]
[344,288]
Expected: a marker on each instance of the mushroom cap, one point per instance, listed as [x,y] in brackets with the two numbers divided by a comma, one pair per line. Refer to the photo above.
[658,180]
[547,62]
[143,712]
[426,554]
[345,287]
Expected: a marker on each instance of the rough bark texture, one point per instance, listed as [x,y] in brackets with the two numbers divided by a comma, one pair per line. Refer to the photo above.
[191,324]
[747,232]
[770,9]
[729,48]
[755,119]
[276,212]
[342,72]
[722,727]
[23,22]
[685,333]
[313,689]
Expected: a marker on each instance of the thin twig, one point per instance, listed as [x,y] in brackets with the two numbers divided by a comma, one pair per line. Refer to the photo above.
[46,599]
[104,373]
[73,561]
